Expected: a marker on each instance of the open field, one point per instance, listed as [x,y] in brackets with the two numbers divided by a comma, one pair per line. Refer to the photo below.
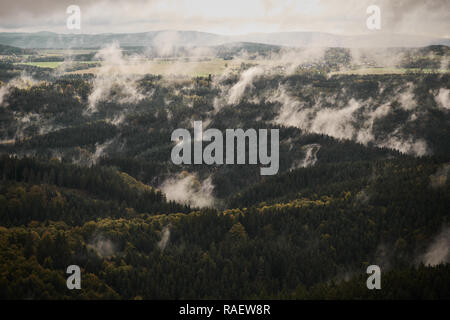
[59,52]
[369,71]
[217,66]
[204,66]
[172,67]
[45,64]
[52,64]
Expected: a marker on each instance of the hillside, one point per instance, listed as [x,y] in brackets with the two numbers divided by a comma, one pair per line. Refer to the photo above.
[285,250]
[9,50]
[87,176]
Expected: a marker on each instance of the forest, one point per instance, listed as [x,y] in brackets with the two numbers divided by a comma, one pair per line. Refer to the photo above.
[86,179]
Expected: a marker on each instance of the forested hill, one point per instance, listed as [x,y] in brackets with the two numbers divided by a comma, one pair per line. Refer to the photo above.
[41,191]
[51,40]
[387,213]
[87,178]
[362,177]
[8,50]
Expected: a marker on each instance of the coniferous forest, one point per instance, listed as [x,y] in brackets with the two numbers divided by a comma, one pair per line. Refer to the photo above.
[86,176]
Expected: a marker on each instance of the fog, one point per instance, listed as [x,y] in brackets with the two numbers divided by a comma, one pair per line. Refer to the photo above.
[188,189]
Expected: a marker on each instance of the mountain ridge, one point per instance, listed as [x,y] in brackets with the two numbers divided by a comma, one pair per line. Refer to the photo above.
[50,40]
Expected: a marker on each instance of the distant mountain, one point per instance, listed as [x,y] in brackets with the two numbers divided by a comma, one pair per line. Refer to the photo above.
[439,50]
[50,40]
[318,39]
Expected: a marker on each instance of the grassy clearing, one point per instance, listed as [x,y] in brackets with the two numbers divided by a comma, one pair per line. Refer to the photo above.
[46,64]
[212,66]
[61,52]
[54,64]
[172,67]
[369,71]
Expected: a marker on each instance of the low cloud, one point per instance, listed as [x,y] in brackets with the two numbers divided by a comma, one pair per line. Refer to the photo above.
[310,158]
[443,99]
[186,188]
[103,246]
[245,81]
[113,81]
[165,236]
[353,120]
[22,82]
[439,250]
[440,178]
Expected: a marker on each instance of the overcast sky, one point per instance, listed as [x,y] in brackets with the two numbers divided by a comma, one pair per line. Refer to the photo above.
[229,17]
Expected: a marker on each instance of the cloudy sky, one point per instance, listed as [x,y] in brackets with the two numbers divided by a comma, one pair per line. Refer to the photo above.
[229,17]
